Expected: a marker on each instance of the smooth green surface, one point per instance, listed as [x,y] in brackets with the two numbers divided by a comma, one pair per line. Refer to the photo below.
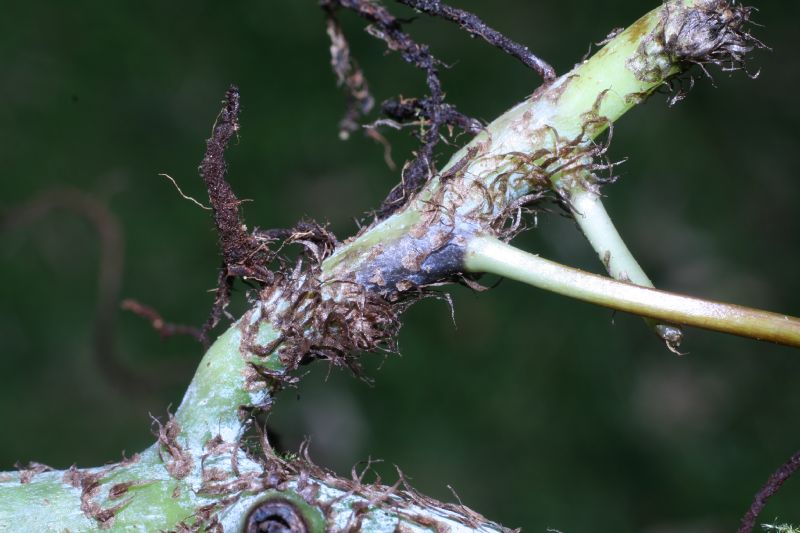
[488,254]
[596,225]
[539,411]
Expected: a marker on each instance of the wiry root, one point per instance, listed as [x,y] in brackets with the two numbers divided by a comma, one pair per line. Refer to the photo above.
[420,111]
[349,75]
[476,27]
[431,113]
[165,329]
[386,27]
[773,484]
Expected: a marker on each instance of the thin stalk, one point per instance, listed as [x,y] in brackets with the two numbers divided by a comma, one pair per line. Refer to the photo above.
[589,212]
[490,255]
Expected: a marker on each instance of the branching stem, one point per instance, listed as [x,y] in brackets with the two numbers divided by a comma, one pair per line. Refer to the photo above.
[341,299]
[488,254]
[589,212]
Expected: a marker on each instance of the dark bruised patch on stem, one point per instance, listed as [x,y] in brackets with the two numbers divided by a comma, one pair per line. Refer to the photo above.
[333,319]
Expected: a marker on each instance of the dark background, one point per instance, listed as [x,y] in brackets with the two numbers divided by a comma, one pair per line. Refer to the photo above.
[539,411]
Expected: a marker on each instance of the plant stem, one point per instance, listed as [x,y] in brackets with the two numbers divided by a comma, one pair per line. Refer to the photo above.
[199,475]
[589,212]
[153,492]
[505,162]
[488,254]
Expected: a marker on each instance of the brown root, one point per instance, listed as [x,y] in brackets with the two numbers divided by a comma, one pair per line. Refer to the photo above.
[773,484]
[431,113]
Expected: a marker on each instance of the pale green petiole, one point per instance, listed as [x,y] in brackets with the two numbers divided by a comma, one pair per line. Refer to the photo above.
[589,212]
[490,255]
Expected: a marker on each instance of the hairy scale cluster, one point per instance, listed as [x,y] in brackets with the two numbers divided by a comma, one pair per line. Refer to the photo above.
[320,320]
[335,313]
[710,32]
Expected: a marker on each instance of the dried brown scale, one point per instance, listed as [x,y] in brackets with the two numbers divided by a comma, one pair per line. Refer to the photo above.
[710,32]
[496,207]
[27,473]
[90,485]
[72,477]
[274,381]
[118,490]
[510,222]
[336,322]
[205,519]
[179,462]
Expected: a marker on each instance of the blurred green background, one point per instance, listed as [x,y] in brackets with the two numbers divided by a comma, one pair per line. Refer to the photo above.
[538,411]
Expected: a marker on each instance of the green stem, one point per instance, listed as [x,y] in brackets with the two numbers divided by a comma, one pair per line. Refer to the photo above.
[589,212]
[219,387]
[503,163]
[487,254]
[167,486]
[198,461]
[168,480]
